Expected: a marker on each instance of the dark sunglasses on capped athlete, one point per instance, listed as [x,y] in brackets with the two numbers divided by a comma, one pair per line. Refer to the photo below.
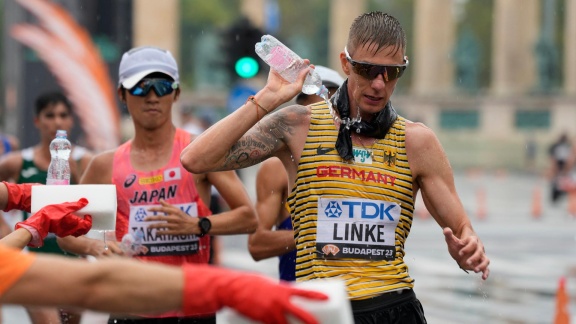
[162,87]
[371,71]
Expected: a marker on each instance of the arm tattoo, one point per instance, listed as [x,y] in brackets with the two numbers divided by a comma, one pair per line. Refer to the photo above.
[264,139]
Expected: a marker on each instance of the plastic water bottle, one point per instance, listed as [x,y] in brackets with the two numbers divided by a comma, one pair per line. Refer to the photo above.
[131,244]
[59,168]
[284,61]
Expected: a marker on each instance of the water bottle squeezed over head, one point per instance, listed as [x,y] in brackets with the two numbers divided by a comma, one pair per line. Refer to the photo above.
[59,168]
[287,63]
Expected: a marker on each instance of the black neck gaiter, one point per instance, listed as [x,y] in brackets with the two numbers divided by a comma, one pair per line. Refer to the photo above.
[377,128]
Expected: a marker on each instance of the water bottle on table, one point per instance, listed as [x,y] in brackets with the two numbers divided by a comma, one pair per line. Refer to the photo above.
[59,168]
[287,63]
[101,198]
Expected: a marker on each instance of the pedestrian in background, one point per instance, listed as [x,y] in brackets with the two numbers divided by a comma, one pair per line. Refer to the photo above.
[52,111]
[559,153]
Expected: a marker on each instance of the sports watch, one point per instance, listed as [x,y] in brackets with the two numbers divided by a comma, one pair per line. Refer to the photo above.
[205,224]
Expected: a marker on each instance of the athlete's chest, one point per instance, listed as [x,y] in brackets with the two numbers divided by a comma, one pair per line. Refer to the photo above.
[150,160]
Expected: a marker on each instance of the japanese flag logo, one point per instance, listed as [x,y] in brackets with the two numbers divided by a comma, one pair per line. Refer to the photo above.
[172,174]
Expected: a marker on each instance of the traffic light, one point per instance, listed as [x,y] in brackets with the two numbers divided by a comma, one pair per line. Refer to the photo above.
[246,67]
[238,40]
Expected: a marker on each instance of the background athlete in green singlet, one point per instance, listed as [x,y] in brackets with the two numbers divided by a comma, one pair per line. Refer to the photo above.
[53,111]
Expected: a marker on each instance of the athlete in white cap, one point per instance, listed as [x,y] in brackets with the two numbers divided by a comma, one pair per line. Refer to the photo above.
[162,208]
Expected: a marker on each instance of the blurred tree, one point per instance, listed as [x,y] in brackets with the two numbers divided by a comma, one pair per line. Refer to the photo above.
[309,27]
[207,59]
[547,62]
[209,14]
[559,30]
[201,18]
[466,60]
[305,29]
[477,19]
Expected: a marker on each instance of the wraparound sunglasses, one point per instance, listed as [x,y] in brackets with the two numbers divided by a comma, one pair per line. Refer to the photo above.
[371,71]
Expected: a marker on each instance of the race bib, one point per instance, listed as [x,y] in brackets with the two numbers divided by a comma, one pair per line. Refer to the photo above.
[357,228]
[149,243]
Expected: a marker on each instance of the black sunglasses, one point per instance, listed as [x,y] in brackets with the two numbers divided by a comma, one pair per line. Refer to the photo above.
[371,71]
[162,87]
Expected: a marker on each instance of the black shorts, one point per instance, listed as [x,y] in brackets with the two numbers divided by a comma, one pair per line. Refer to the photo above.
[400,307]
[165,320]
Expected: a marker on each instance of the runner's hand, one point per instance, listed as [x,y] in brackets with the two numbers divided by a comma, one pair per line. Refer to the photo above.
[283,90]
[110,248]
[468,252]
[172,220]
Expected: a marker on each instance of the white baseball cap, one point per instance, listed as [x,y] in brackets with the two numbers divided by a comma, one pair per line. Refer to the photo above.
[141,61]
[330,78]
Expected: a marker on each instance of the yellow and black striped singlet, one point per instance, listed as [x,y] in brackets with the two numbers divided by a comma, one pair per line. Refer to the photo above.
[387,179]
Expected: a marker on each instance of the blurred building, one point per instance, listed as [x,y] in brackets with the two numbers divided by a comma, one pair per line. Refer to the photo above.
[531,96]
[530,93]
[522,102]
[485,102]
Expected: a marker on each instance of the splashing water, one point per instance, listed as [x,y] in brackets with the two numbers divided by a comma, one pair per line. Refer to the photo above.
[482,292]
[323,93]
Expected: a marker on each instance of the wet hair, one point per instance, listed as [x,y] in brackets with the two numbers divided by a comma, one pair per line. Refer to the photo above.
[378,29]
[50,99]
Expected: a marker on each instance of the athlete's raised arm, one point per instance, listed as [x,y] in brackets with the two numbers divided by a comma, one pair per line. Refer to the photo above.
[237,141]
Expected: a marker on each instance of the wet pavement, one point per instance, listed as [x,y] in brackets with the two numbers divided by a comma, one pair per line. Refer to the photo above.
[531,244]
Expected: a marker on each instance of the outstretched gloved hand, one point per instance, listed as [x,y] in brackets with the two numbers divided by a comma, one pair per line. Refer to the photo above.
[57,219]
[19,196]
[207,289]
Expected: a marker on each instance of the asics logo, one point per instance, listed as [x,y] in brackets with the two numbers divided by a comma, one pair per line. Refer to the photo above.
[129,180]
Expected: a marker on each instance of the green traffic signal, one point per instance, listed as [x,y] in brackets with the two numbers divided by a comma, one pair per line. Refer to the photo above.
[246,67]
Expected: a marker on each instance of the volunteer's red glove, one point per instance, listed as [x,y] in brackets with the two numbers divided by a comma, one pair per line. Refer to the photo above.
[19,196]
[208,288]
[57,219]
